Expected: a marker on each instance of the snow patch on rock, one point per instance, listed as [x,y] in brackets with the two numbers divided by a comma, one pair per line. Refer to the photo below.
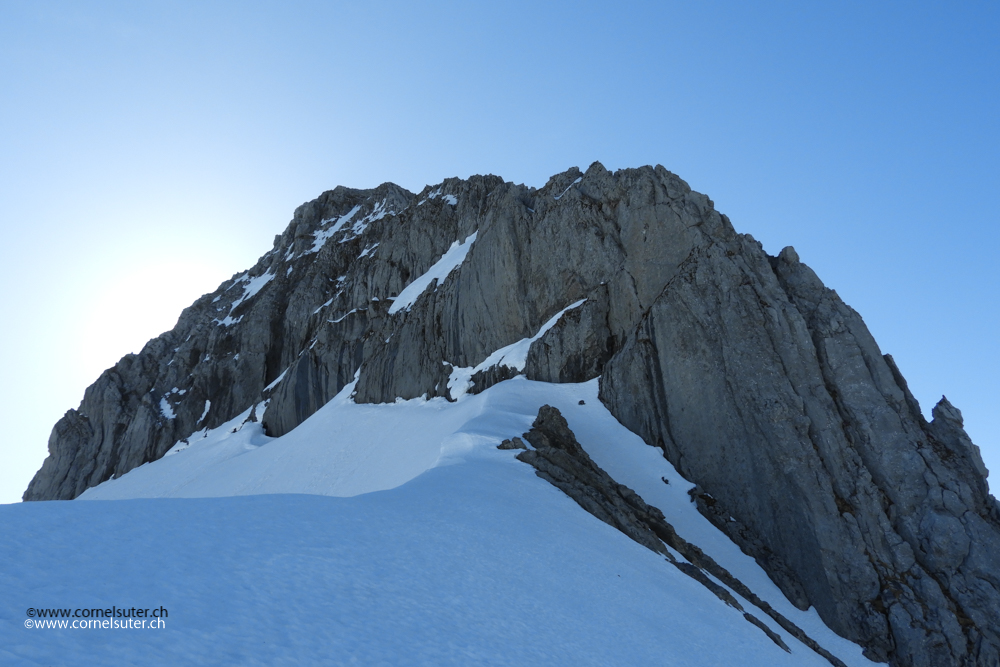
[448,262]
[514,356]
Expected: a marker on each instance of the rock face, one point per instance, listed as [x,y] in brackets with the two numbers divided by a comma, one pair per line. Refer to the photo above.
[756,381]
[765,388]
[558,458]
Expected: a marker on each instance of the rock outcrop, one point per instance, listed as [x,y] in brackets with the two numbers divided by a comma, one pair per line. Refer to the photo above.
[558,458]
[756,381]
[766,389]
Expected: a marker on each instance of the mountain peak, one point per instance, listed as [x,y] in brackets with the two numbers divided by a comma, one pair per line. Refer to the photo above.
[748,374]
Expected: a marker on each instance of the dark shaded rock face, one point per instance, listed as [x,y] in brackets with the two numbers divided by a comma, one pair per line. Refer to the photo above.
[762,386]
[756,381]
[558,458]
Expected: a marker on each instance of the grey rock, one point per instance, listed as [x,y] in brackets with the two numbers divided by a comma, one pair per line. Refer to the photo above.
[512,443]
[774,636]
[577,347]
[765,388]
[559,459]
[227,349]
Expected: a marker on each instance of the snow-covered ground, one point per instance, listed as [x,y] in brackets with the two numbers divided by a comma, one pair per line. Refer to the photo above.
[392,534]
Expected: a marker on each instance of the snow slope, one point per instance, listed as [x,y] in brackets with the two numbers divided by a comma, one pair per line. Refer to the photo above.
[482,564]
[419,543]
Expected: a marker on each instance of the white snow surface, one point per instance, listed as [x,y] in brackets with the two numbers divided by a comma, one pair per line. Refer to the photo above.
[378,212]
[344,316]
[323,306]
[448,199]
[560,195]
[418,542]
[166,409]
[325,232]
[208,406]
[275,381]
[331,226]
[251,286]
[387,534]
[449,261]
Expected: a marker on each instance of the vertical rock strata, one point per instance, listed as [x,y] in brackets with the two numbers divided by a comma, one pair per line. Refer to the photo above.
[558,458]
[766,389]
[756,381]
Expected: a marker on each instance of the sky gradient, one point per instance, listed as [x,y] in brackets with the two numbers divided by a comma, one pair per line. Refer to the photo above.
[147,153]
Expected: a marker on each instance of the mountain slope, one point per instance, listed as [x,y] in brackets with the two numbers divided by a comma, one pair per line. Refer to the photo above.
[474,559]
[749,375]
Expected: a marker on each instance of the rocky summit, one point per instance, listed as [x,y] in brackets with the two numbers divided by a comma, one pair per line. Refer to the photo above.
[757,382]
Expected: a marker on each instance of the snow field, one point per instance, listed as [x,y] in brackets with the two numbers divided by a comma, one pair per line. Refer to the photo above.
[479,563]
[418,543]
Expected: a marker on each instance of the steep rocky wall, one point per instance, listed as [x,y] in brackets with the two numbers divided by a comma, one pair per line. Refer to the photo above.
[765,388]
[315,309]
[224,351]
[755,380]
[559,459]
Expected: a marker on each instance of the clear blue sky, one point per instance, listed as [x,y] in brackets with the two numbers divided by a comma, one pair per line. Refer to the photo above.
[149,151]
